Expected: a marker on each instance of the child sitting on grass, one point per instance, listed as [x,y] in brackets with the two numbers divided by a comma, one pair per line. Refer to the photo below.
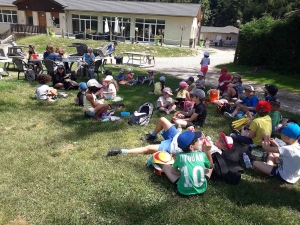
[224,80]
[129,77]
[282,162]
[270,91]
[165,103]
[150,79]
[235,88]
[79,99]
[258,126]
[191,84]
[182,94]
[91,106]
[191,169]
[200,83]
[275,112]
[196,116]
[43,91]
[159,86]
[121,78]
[112,88]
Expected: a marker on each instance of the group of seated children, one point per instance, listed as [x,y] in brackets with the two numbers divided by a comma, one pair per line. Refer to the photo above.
[128,79]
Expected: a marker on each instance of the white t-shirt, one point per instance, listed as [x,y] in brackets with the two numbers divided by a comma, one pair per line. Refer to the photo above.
[161,101]
[289,163]
[205,61]
[112,88]
[41,91]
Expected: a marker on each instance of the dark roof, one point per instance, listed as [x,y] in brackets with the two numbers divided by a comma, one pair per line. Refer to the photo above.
[150,8]
[61,2]
[224,30]
[6,3]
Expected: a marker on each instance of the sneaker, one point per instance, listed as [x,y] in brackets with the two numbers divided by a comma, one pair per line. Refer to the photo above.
[227,114]
[114,152]
[148,137]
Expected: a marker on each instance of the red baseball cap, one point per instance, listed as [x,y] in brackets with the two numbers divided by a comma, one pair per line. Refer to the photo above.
[266,106]
[227,139]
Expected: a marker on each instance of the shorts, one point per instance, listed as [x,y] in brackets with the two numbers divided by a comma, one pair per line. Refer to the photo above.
[90,113]
[204,69]
[168,136]
[275,173]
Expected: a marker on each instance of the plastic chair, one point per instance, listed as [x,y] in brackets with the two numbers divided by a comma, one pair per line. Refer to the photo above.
[49,64]
[21,66]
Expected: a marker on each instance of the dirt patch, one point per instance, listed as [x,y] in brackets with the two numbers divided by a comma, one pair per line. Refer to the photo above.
[18,221]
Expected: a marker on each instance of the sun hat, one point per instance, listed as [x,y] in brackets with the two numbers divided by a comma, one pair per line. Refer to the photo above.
[108,78]
[224,70]
[200,74]
[162,78]
[292,130]
[82,86]
[271,88]
[206,53]
[129,70]
[167,90]
[93,83]
[275,100]
[183,84]
[227,139]
[191,79]
[186,138]
[199,93]
[265,105]
[162,157]
[249,87]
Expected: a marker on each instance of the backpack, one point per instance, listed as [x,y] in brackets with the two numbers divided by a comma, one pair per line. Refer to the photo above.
[227,167]
[142,116]
[30,75]
[226,107]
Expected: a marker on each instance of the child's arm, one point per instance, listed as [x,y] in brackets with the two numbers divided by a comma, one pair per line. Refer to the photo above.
[266,144]
[206,149]
[176,172]
[201,62]
[90,98]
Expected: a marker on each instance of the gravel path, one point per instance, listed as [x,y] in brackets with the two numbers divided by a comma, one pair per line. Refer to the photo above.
[184,67]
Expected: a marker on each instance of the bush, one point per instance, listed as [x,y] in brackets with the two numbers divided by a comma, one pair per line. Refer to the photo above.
[274,43]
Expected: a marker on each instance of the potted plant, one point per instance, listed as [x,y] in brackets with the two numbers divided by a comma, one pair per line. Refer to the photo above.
[51,31]
[157,39]
[191,42]
[201,42]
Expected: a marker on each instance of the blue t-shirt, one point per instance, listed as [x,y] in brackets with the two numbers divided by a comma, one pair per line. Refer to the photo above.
[51,56]
[250,102]
[268,97]
[88,59]
[121,77]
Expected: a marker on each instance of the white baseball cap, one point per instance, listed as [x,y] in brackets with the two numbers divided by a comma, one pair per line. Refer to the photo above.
[93,83]
[108,78]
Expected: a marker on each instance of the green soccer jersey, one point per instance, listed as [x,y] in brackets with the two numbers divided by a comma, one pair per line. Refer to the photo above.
[192,172]
[275,117]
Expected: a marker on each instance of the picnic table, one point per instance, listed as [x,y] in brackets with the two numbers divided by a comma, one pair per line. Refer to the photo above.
[141,56]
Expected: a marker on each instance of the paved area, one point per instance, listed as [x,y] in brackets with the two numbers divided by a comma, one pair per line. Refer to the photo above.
[184,67]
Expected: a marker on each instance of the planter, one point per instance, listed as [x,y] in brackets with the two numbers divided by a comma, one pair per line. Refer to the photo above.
[201,43]
[52,34]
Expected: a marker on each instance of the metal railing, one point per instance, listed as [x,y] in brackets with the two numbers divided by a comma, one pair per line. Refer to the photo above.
[30,29]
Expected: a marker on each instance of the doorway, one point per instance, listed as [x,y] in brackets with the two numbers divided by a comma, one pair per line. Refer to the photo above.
[42,19]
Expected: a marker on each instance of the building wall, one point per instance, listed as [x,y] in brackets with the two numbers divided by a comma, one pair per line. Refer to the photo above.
[213,36]
[5,26]
[172,25]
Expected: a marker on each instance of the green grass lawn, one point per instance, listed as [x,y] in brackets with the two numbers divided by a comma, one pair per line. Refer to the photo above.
[54,169]
[41,41]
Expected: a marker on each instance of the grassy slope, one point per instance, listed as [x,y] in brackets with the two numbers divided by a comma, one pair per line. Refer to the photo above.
[54,169]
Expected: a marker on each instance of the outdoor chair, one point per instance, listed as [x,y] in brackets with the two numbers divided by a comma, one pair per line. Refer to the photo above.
[81,49]
[49,64]
[97,65]
[21,66]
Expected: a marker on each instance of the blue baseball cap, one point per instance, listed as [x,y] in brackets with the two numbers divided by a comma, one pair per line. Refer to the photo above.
[292,130]
[83,86]
[191,79]
[186,138]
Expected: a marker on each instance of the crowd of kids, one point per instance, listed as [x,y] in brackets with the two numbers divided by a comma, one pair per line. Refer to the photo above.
[193,164]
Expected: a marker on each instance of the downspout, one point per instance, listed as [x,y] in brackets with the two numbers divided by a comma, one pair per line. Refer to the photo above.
[66,22]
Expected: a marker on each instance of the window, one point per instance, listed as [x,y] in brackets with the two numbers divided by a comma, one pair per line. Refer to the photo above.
[8,16]
[124,25]
[228,38]
[81,23]
[147,29]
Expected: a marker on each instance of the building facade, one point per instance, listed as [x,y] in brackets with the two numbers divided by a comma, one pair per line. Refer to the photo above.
[132,20]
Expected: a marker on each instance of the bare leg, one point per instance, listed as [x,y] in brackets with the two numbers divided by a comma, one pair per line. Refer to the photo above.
[272,158]
[149,149]
[101,109]
[231,92]
[162,124]
[59,85]
[167,169]
[263,167]
[182,123]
